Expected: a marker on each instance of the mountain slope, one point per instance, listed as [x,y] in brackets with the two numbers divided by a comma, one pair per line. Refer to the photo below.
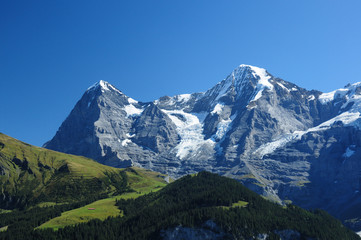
[30,175]
[140,181]
[206,206]
[279,139]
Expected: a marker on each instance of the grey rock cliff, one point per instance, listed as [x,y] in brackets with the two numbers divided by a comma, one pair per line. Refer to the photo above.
[155,130]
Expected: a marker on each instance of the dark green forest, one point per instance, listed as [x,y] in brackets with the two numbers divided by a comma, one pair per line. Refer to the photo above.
[189,202]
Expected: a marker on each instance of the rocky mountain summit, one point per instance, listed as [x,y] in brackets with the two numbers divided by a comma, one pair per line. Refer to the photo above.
[279,139]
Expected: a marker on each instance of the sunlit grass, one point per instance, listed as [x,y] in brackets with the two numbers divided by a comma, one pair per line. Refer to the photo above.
[3,229]
[4,211]
[140,180]
[102,209]
[237,204]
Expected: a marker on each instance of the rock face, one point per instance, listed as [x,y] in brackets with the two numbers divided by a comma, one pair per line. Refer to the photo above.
[209,231]
[281,140]
[155,129]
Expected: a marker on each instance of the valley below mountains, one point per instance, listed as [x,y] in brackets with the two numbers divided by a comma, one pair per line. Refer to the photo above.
[280,140]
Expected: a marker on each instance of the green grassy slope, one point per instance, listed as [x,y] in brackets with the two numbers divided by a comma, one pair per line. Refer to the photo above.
[18,223]
[31,175]
[100,209]
[140,180]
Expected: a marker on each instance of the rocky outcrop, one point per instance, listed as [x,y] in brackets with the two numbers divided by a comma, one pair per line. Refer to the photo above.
[155,130]
[209,230]
[288,234]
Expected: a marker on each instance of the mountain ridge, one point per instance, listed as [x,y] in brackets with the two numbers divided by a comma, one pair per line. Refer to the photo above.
[270,134]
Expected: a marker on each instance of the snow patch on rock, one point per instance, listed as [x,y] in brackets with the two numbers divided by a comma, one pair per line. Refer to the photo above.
[311,98]
[218,109]
[263,82]
[131,110]
[131,100]
[105,86]
[222,128]
[346,118]
[282,86]
[278,143]
[130,135]
[184,97]
[325,98]
[125,142]
[190,130]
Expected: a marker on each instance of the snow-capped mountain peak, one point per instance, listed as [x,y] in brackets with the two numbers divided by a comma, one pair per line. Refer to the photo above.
[104,94]
[263,81]
[246,82]
[104,86]
[101,83]
[244,72]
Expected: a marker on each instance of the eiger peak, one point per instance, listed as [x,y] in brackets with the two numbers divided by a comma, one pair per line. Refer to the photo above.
[102,84]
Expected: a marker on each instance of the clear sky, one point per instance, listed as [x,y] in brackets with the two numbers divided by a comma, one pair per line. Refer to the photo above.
[52,51]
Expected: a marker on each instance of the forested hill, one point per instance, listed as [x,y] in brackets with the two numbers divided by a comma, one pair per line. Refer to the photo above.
[205,206]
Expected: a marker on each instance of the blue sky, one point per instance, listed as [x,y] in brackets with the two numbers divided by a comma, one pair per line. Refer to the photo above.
[52,51]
